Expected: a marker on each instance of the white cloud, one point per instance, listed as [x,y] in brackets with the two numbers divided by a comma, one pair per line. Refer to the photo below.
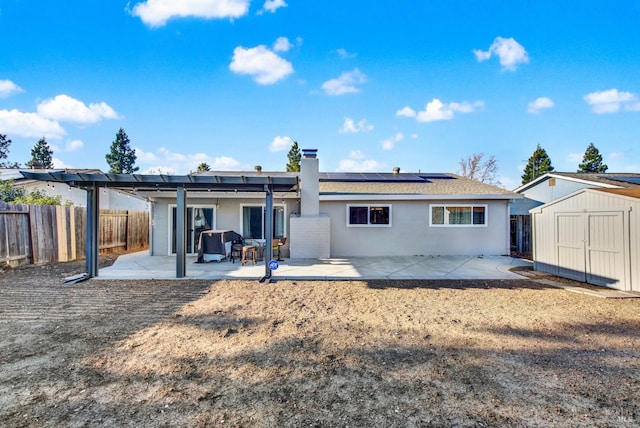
[357,162]
[350,127]
[539,104]
[7,87]
[59,163]
[344,54]
[280,144]
[70,146]
[282,44]
[262,64]
[389,143]
[436,110]
[574,157]
[611,101]
[156,13]
[28,125]
[273,5]
[167,162]
[65,108]
[345,84]
[616,155]
[510,52]
[406,112]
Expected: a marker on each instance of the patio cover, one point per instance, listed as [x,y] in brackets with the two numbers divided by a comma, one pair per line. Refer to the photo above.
[256,182]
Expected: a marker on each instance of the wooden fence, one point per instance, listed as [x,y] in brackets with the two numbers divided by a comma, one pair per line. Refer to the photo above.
[45,233]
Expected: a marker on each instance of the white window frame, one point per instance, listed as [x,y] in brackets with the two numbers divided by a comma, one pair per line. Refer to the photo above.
[369,206]
[446,218]
[263,206]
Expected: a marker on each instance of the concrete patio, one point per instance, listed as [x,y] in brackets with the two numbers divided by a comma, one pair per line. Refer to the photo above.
[142,266]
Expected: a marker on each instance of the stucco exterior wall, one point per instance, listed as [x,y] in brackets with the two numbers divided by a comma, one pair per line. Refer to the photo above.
[542,193]
[410,233]
[227,216]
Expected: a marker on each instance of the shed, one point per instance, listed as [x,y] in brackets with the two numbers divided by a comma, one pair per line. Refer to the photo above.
[592,236]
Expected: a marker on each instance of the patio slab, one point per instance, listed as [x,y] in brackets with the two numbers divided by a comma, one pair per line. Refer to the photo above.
[143,266]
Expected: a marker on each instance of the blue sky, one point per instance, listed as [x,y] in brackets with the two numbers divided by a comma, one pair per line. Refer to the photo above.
[371,85]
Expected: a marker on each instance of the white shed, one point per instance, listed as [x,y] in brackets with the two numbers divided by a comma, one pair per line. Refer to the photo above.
[592,236]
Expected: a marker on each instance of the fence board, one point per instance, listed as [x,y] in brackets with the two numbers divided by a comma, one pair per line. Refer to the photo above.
[44,234]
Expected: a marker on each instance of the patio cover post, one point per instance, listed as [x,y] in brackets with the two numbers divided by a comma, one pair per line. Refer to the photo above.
[181,236]
[93,218]
[268,224]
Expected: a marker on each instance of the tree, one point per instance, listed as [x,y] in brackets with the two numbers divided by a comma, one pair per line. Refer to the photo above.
[539,164]
[476,167]
[592,161]
[294,158]
[8,192]
[202,167]
[41,155]
[122,157]
[4,153]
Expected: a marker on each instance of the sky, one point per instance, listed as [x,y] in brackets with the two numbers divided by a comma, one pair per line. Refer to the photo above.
[372,85]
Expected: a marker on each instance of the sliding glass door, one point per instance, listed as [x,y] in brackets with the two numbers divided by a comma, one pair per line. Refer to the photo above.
[199,219]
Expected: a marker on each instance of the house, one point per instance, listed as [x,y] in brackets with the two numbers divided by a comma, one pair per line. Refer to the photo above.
[350,215]
[591,235]
[109,198]
[322,215]
[553,186]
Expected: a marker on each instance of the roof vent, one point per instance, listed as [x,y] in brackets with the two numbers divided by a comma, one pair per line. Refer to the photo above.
[309,153]
[257,168]
[396,170]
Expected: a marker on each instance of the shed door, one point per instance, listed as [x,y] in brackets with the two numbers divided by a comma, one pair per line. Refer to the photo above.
[570,246]
[590,248]
[605,249]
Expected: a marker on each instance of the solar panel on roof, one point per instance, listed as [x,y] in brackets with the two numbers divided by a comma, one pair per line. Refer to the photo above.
[627,179]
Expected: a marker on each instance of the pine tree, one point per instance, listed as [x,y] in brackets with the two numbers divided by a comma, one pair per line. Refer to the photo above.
[122,157]
[4,153]
[539,164]
[294,158]
[592,161]
[41,155]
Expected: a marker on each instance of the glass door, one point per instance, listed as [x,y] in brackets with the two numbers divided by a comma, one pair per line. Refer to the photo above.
[198,220]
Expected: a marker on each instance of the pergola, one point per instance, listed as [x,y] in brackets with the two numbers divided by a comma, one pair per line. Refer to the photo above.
[258,182]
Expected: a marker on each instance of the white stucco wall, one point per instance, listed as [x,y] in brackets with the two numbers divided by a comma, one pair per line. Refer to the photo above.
[228,214]
[410,233]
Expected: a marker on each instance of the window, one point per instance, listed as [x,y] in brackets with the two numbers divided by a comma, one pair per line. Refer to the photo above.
[458,215]
[369,215]
[253,220]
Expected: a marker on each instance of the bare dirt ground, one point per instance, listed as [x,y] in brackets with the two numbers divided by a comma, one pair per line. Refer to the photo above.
[297,353]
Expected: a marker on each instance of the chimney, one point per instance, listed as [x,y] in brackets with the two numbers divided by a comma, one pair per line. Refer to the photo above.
[309,183]
[257,168]
[396,170]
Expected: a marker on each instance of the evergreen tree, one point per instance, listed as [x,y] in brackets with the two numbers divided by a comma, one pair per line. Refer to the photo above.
[4,150]
[592,161]
[202,167]
[41,155]
[294,158]
[122,157]
[539,164]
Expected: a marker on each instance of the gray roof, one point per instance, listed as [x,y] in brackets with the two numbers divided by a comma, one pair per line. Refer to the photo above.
[608,179]
[406,184]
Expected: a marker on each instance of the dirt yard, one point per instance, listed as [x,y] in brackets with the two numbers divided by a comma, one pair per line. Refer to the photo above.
[297,353]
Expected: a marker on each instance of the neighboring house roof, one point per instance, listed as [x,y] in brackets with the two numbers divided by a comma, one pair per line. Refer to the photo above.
[407,185]
[611,180]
